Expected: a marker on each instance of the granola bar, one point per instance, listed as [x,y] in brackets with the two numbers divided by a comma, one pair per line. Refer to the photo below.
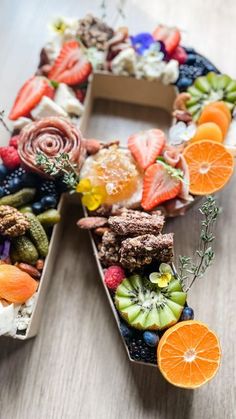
[109,250]
[142,250]
[136,223]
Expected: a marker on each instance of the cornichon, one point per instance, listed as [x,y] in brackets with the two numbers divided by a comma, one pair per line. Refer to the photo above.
[25,209]
[23,250]
[38,235]
[49,217]
[19,198]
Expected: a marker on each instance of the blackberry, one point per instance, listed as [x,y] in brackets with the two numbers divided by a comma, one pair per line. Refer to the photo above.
[48,187]
[195,66]
[9,185]
[140,351]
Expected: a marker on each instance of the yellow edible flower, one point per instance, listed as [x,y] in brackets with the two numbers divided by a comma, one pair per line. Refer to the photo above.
[58,26]
[93,196]
[163,277]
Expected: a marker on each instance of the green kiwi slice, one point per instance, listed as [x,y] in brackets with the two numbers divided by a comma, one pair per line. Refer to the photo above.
[211,88]
[147,307]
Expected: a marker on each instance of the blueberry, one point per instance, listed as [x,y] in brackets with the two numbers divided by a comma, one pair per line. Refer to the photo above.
[187,314]
[150,338]
[14,184]
[3,172]
[126,332]
[37,207]
[48,202]
[184,82]
[191,59]
[190,50]
[2,192]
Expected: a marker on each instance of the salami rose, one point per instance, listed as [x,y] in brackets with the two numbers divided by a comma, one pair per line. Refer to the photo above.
[51,136]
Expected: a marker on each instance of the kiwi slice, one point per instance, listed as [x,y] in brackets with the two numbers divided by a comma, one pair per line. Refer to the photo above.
[211,88]
[147,307]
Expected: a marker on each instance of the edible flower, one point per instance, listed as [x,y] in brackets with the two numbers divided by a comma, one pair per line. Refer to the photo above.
[93,196]
[181,132]
[64,26]
[142,42]
[163,277]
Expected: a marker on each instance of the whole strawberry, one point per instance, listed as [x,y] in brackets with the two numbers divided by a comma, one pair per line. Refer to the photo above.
[114,275]
[10,157]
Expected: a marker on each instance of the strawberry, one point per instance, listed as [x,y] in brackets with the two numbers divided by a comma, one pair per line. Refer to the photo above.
[30,95]
[159,185]
[14,141]
[169,35]
[80,94]
[10,157]
[146,146]
[71,66]
[180,55]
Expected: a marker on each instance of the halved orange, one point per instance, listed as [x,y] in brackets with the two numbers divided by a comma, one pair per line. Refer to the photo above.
[189,354]
[210,166]
[212,114]
[208,131]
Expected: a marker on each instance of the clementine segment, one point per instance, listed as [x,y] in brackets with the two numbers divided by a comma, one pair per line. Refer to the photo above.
[208,131]
[189,354]
[210,166]
[212,114]
[16,286]
[222,107]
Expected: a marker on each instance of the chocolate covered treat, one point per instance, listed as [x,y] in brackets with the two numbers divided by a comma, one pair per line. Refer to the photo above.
[142,250]
[136,223]
[109,251]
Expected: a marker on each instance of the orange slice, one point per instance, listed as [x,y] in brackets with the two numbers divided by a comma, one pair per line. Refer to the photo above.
[189,354]
[208,131]
[222,107]
[212,114]
[210,166]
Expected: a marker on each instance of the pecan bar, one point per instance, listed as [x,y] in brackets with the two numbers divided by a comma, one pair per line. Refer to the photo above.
[136,223]
[109,250]
[142,250]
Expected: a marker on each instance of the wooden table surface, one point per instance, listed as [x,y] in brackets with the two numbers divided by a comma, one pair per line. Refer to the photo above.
[77,366]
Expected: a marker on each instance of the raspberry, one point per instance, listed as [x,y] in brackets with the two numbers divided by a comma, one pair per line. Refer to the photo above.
[10,157]
[114,275]
[14,141]
[180,55]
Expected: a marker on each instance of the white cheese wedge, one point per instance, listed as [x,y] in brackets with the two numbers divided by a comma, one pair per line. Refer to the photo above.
[21,122]
[47,107]
[65,98]
[7,318]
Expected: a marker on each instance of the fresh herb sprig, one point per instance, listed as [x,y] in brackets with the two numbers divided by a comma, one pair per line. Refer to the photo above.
[2,121]
[191,269]
[59,166]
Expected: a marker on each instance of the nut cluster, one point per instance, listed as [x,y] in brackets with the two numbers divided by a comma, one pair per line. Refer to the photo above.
[12,222]
[93,32]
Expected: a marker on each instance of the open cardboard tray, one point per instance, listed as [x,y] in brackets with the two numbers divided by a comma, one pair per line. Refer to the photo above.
[115,88]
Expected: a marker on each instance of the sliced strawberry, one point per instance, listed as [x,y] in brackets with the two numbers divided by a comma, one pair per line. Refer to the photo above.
[146,146]
[80,94]
[169,35]
[71,66]
[158,186]
[30,95]
[179,55]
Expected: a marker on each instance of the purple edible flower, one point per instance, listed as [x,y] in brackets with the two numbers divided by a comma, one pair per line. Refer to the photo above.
[5,251]
[142,41]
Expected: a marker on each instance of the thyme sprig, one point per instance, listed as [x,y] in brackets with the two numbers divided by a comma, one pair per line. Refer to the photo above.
[192,268]
[59,166]
[2,121]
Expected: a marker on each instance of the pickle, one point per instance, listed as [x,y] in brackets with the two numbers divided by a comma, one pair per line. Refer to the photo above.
[49,217]
[19,198]
[38,235]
